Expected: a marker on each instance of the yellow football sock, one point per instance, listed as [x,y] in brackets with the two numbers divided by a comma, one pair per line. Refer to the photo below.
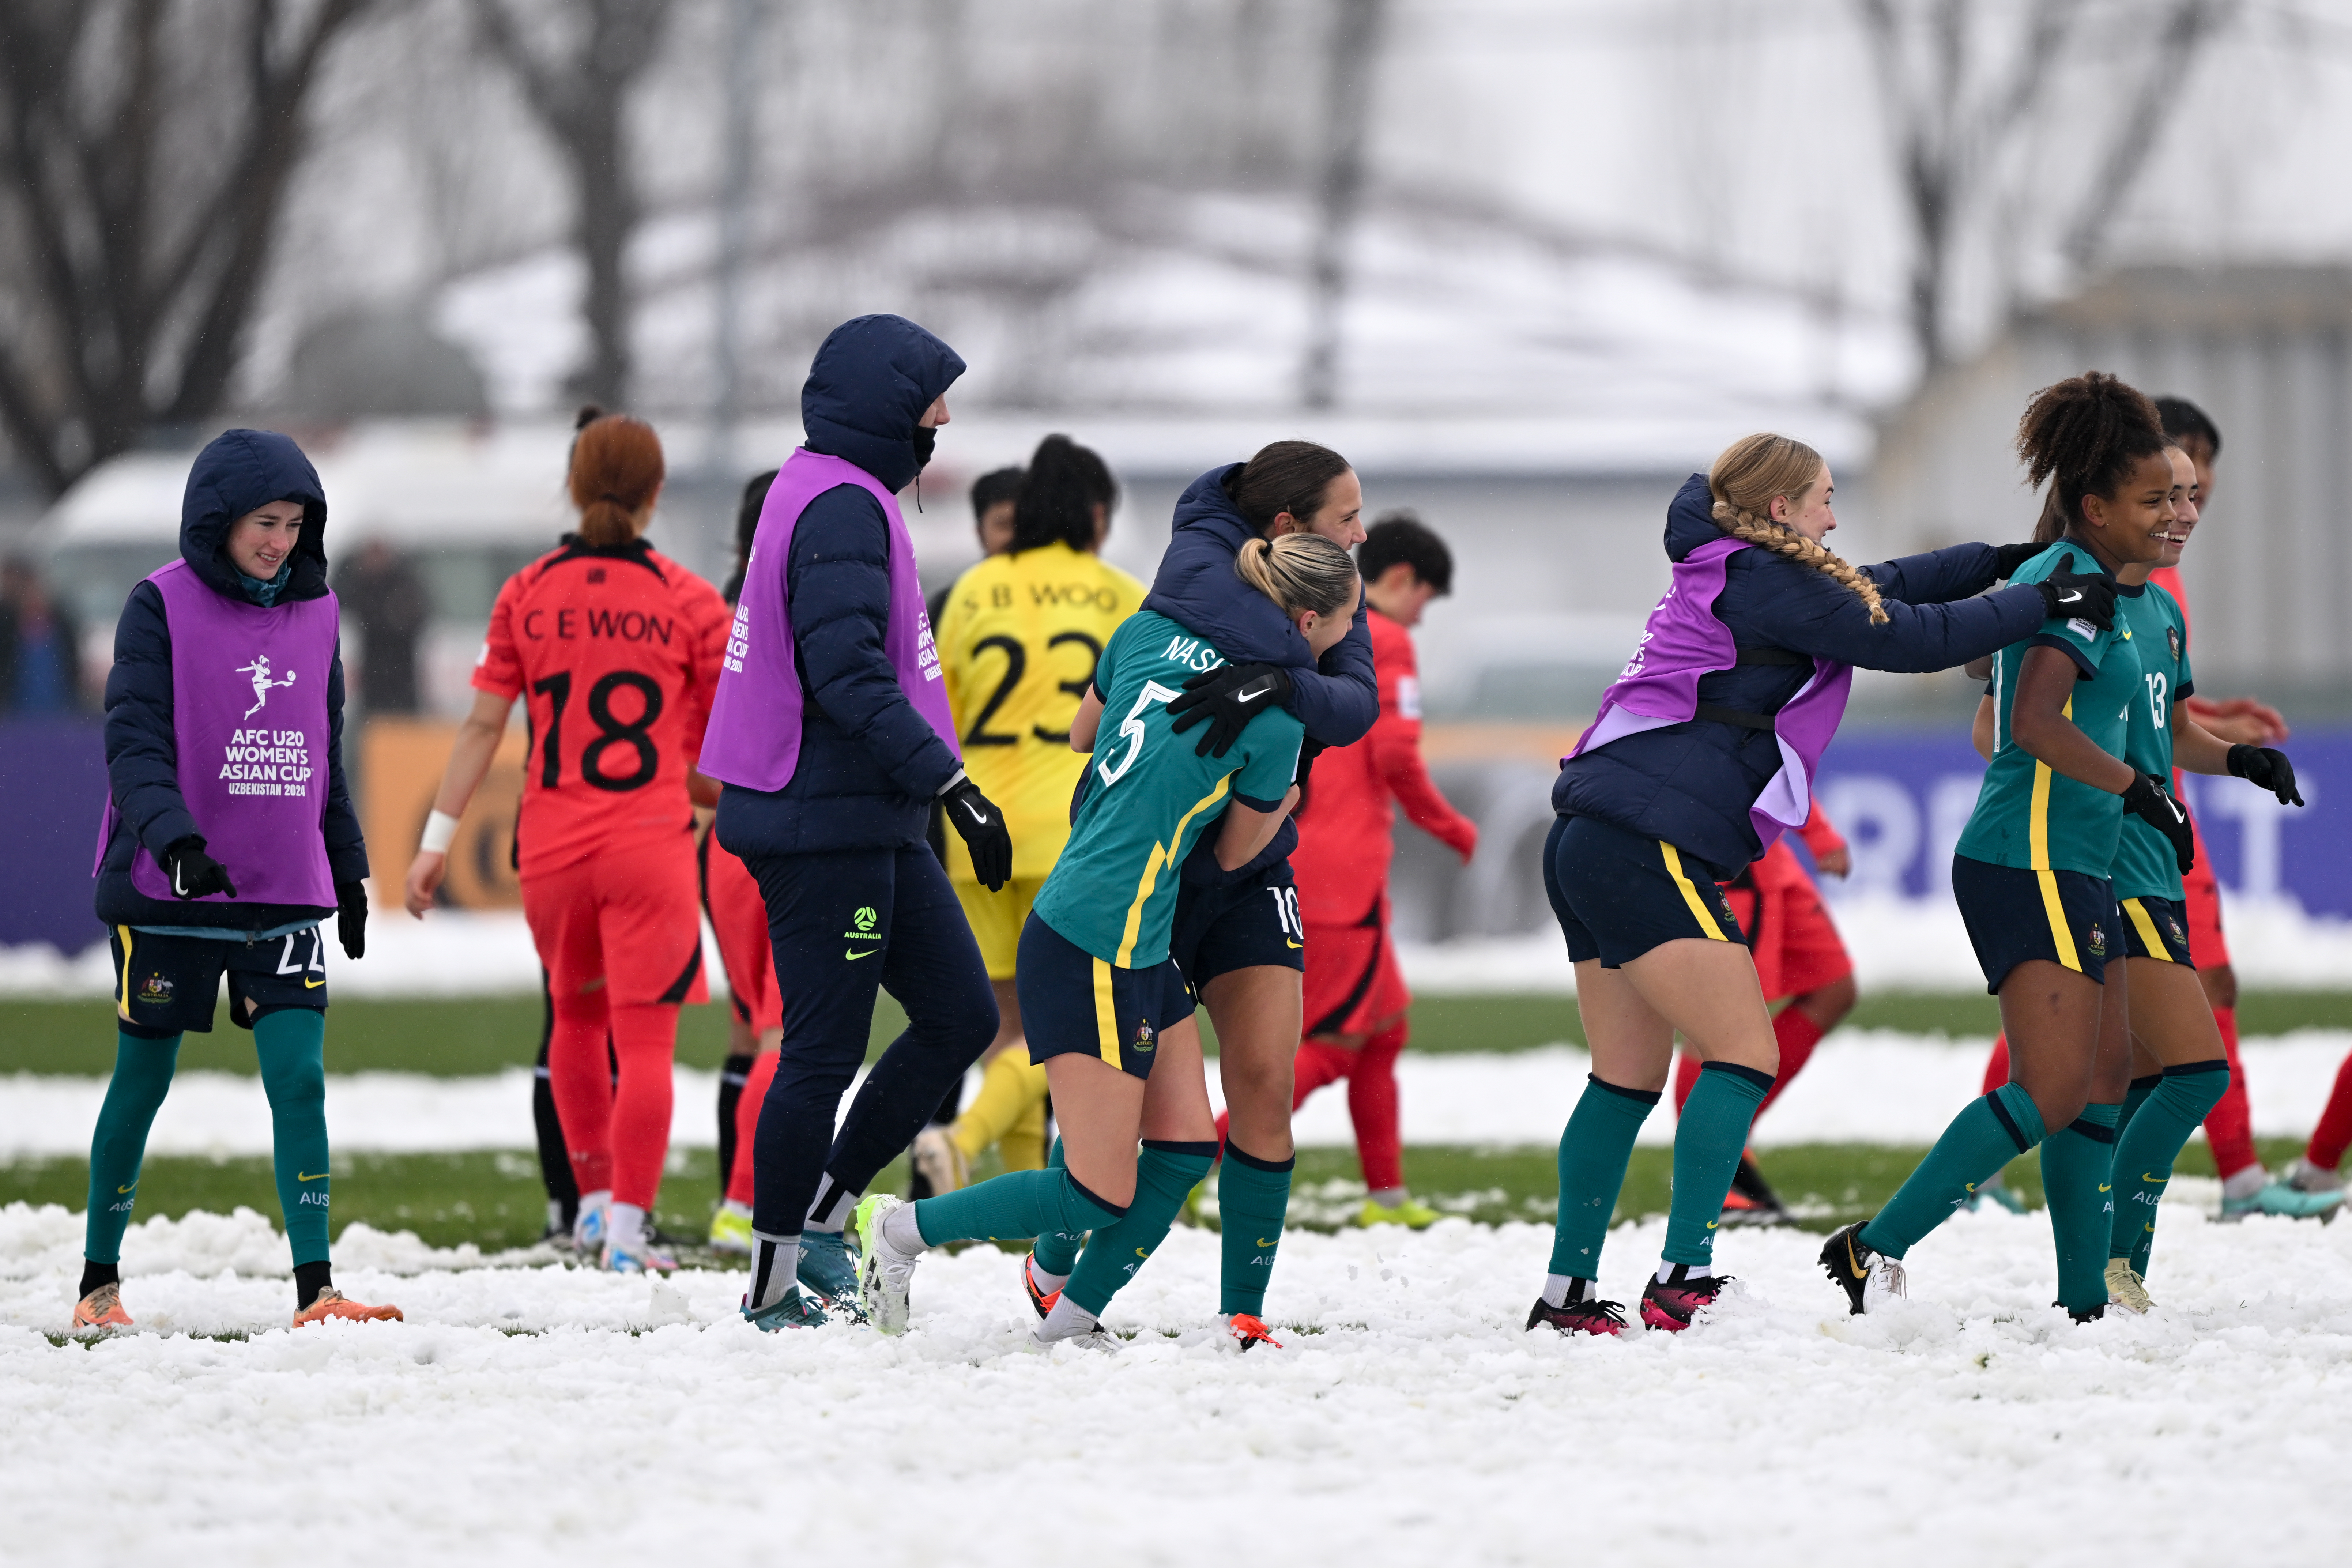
[1009,1090]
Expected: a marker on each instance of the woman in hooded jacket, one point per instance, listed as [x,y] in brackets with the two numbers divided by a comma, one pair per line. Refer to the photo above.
[1703,754]
[228,836]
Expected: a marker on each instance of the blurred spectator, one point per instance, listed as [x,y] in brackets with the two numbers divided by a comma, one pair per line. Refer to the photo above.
[40,646]
[386,596]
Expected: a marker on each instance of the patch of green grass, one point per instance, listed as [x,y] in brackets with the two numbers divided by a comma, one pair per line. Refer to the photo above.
[495,1200]
[447,1036]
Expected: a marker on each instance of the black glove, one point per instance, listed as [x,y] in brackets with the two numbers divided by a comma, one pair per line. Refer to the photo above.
[983,827]
[2079,597]
[1228,697]
[351,918]
[2008,558]
[2152,804]
[193,873]
[1309,750]
[2266,769]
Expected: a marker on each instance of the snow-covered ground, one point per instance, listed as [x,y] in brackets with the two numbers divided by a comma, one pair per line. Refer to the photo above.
[1897,945]
[1861,1086]
[542,1414]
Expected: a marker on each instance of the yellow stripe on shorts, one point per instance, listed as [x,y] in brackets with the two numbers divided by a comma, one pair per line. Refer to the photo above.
[123,1006]
[1105,1015]
[2062,935]
[2154,943]
[1707,921]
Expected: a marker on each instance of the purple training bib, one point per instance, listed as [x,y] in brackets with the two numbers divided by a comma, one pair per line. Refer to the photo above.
[1659,686]
[754,738]
[249,720]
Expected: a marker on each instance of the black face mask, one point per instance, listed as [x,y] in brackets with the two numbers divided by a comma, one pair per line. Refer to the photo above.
[926,438]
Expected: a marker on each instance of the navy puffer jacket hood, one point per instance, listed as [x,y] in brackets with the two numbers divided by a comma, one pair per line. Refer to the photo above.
[237,471]
[867,389]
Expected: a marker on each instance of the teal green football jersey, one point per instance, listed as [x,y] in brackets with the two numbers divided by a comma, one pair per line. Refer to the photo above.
[1149,797]
[2145,866]
[2027,815]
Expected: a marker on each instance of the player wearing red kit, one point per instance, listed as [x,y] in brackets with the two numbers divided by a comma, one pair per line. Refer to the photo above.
[1800,959]
[1355,995]
[615,650]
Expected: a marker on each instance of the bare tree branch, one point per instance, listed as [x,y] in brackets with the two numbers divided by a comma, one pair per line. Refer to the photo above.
[2187,27]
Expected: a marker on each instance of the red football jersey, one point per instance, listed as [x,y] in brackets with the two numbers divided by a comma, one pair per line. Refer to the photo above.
[615,654]
[1346,827]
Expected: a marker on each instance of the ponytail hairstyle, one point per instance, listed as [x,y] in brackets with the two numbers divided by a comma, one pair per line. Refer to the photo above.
[1754,471]
[1056,501]
[1300,571]
[2084,435]
[617,470]
[1287,476]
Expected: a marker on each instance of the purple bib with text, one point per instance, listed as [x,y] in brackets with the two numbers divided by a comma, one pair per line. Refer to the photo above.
[249,720]
[1682,642]
[754,738]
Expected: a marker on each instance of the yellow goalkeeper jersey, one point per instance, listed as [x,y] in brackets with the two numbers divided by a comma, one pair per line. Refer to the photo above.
[1018,639]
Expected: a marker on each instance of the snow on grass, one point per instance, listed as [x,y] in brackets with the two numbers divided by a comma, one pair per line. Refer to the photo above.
[1863,1086]
[547,1414]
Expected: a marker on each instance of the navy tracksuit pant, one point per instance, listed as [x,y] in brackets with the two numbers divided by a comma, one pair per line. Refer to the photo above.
[845,923]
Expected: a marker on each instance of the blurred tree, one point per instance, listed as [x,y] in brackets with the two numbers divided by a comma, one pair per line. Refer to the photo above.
[1348,93]
[576,62]
[1960,106]
[145,150]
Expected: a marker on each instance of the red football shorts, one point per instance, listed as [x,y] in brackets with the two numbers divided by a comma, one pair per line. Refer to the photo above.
[1797,947]
[1352,980]
[739,917]
[2200,907]
[628,918]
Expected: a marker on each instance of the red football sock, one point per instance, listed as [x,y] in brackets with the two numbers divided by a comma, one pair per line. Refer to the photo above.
[1685,1078]
[1997,1065]
[645,1038]
[2230,1129]
[1315,1065]
[1796,1035]
[747,1123]
[579,1077]
[2329,1139]
[1372,1106]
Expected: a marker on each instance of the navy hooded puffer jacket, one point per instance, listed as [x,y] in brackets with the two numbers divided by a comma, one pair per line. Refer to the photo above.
[870,763]
[237,472]
[1692,783]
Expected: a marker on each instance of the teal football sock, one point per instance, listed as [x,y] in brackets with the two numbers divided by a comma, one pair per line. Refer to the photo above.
[1058,1251]
[1252,1200]
[1984,1137]
[2175,1107]
[2141,1088]
[2078,1171]
[143,1076]
[1708,1139]
[1016,1203]
[291,1043]
[1165,1175]
[1594,1150]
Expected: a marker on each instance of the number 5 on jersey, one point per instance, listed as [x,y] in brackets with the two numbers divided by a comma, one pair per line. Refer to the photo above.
[1131,729]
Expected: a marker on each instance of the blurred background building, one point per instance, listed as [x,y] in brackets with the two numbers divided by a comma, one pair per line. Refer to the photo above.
[1526,262]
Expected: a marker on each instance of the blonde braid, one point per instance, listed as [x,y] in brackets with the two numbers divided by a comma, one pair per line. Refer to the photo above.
[1755,529]
[1754,469]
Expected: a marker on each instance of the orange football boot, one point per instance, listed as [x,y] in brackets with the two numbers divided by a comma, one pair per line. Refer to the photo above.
[333,1303]
[101,1309]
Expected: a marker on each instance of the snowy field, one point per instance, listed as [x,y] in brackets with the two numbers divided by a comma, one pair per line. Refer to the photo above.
[1897,945]
[542,1414]
[1875,1085]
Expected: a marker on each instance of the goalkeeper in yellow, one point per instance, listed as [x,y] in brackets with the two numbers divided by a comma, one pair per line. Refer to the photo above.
[1018,639]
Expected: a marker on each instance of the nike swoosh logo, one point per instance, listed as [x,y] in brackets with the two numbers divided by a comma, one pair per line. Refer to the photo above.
[1294,947]
[854,957]
[977,814]
[1263,1242]
[1248,696]
[2071,596]
[311,985]
[2105,1188]
[1140,1252]
[320,1177]
[1710,1224]
[132,1187]
[2158,1181]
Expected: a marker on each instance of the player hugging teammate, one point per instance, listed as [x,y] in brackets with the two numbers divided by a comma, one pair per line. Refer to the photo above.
[228,835]
[1108,1012]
